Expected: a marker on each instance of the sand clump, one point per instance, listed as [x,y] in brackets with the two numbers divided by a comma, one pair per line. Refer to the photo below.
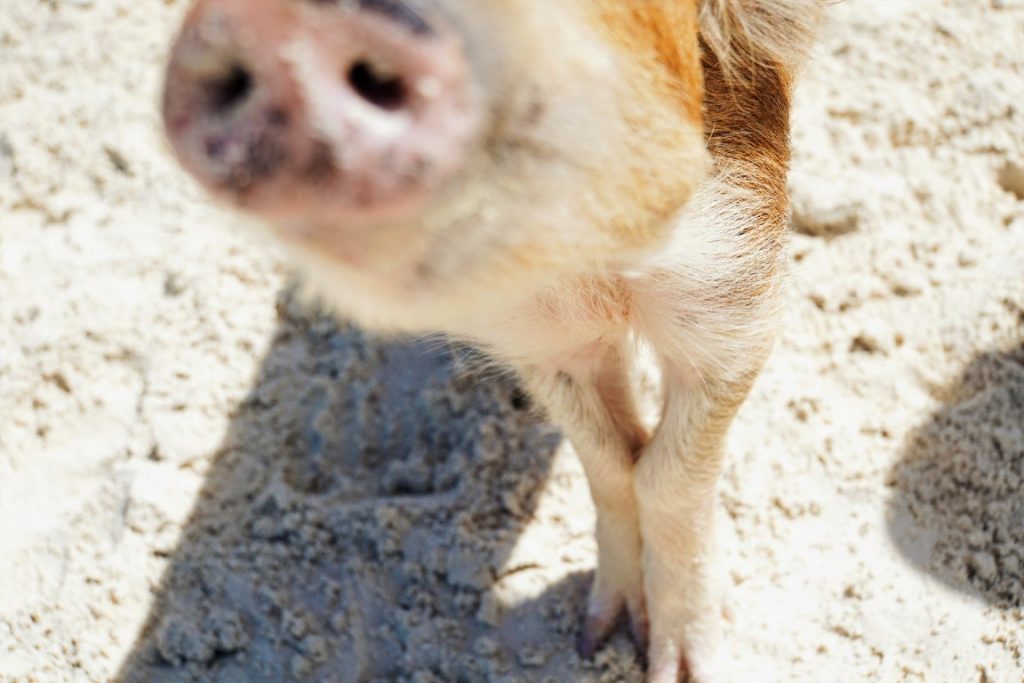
[205,478]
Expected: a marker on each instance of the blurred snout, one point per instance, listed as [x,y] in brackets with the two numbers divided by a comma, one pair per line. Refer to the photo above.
[341,112]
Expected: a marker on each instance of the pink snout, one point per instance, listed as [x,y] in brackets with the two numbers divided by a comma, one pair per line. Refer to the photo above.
[321,112]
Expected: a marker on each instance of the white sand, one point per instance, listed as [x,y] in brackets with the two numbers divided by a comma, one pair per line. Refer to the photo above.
[203,480]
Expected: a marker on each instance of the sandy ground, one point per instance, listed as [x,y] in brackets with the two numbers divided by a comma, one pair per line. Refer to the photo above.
[204,479]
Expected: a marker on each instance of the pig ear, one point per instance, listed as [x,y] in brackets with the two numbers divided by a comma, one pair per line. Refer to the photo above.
[665,33]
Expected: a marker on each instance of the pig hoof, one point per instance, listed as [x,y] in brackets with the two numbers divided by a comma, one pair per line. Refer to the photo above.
[673,662]
[680,672]
[603,615]
[592,636]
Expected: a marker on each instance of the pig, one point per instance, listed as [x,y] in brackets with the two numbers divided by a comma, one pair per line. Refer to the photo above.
[556,182]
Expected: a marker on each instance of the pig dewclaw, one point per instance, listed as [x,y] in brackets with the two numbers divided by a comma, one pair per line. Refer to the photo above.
[554,181]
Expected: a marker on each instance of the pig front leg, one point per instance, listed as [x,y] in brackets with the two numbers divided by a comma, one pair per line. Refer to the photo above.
[675,482]
[590,398]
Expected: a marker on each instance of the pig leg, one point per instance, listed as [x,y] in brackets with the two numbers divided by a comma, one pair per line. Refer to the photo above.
[590,398]
[675,482]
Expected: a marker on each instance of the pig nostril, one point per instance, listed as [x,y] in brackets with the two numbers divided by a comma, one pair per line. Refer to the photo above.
[230,90]
[381,90]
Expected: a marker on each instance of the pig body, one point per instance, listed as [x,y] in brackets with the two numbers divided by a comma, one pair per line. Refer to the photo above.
[554,182]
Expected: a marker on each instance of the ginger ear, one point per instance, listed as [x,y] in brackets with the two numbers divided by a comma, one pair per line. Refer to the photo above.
[664,34]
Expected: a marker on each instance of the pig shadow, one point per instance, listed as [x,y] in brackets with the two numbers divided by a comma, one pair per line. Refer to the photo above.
[958,508]
[364,499]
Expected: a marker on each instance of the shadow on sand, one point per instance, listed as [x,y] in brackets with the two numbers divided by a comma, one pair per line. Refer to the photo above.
[353,523]
[958,512]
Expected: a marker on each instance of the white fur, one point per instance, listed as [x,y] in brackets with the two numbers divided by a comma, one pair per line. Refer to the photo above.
[749,33]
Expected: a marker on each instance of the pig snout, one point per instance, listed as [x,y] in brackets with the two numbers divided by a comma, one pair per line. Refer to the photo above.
[343,112]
